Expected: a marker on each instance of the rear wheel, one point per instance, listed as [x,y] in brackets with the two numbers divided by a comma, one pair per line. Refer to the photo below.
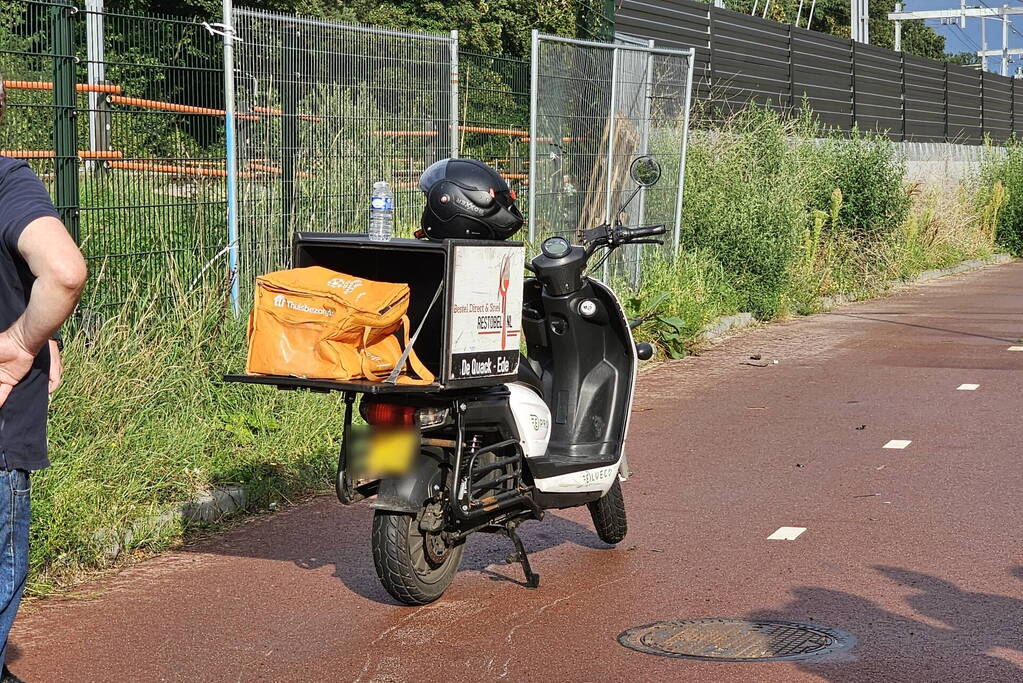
[608,513]
[415,566]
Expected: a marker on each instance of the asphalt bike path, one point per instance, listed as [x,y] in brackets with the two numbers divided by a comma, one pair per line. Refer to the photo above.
[916,551]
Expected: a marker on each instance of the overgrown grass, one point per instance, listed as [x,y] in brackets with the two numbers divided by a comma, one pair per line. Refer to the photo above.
[999,195]
[144,421]
[780,213]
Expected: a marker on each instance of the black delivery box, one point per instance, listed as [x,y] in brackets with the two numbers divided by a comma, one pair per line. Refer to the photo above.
[466,302]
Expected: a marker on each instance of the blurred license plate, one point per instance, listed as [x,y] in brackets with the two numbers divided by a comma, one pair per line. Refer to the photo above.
[390,452]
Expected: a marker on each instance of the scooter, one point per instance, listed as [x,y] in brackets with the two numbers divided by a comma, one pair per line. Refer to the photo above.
[491,458]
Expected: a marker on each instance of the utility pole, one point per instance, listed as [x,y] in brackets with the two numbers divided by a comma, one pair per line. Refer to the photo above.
[983,44]
[898,29]
[859,20]
[1005,42]
[983,13]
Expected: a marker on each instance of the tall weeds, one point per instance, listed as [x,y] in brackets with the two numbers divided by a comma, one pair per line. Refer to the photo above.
[1001,185]
[782,212]
[144,421]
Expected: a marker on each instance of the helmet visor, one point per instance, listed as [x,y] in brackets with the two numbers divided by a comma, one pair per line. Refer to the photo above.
[434,173]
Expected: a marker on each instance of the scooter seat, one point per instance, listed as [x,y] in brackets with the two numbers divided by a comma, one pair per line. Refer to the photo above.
[529,376]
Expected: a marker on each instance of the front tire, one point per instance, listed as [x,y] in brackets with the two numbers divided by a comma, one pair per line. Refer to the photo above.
[406,567]
[608,513]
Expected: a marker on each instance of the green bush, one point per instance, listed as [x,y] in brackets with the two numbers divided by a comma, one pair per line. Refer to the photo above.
[868,171]
[677,298]
[780,212]
[744,206]
[1006,169]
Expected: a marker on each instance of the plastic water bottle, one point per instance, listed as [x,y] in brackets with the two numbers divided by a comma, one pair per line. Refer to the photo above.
[381,212]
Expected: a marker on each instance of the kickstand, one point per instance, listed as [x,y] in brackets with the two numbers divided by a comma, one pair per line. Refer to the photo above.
[520,556]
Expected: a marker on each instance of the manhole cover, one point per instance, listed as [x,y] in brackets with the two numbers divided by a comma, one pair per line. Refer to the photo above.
[736,640]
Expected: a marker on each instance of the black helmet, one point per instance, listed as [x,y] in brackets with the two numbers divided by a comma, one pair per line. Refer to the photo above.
[469,200]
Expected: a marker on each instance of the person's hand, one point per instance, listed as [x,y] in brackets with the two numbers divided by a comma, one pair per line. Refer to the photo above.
[15,362]
[56,367]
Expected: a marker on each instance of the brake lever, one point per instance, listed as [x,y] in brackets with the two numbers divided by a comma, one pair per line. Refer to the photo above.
[596,234]
[645,242]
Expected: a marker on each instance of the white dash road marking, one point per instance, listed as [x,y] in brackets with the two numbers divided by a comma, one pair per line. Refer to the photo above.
[1016,348]
[967,387]
[897,443]
[786,533]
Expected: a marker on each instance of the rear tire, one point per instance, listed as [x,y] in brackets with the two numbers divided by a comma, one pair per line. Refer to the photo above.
[608,513]
[403,564]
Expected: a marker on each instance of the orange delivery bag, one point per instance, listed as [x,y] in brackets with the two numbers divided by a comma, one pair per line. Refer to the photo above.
[320,324]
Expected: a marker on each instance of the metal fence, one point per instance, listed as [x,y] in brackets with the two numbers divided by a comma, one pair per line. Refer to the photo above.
[742,59]
[123,116]
[120,116]
[596,107]
[494,114]
[324,110]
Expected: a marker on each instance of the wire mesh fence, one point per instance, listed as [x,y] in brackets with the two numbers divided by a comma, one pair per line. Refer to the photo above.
[596,108]
[121,117]
[494,114]
[324,111]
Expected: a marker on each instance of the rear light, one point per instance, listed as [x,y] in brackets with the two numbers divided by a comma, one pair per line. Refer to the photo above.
[432,417]
[390,415]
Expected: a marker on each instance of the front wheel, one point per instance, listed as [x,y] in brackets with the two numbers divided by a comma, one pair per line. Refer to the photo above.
[415,567]
[608,513]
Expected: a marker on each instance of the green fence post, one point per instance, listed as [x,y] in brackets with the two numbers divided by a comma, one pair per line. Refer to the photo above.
[65,142]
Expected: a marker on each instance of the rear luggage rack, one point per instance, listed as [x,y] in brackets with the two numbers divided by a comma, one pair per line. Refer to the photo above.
[477,494]
[362,386]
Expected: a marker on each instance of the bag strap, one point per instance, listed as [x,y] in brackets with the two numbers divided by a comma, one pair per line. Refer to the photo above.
[415,365]
[408,353]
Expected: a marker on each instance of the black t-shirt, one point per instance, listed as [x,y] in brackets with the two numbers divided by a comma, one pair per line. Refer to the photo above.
[23,416]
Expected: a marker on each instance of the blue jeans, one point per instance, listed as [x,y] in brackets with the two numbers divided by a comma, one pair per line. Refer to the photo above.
[15,512]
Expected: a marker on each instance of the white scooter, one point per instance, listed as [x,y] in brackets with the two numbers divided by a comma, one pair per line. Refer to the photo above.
[496,456]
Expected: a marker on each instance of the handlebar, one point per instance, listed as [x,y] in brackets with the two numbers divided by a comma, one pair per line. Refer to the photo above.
[611,237]
[622,234]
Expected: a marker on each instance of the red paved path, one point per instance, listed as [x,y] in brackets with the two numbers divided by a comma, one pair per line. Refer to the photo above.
[927,573]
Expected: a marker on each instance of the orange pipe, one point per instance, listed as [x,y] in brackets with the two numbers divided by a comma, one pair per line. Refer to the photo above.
[433,133]
[406,133]
[46,154]
[278,112]
[179,170]
[526,139]
[276,170]
[515,176]
[171,106]
[492,131]
[43,85]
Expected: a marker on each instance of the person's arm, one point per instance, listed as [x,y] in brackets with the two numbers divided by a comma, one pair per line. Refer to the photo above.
[60,273]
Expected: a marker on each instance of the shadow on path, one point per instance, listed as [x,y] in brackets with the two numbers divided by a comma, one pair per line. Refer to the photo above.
[957,636]
[867,316]
[325,533]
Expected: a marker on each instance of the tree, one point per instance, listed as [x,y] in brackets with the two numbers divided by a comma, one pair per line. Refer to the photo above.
[489,26]
[832,16]
[964,59]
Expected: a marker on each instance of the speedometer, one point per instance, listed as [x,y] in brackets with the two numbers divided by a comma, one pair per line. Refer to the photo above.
[556,247]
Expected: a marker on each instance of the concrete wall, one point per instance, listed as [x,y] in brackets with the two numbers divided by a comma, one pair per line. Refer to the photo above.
[943,163]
